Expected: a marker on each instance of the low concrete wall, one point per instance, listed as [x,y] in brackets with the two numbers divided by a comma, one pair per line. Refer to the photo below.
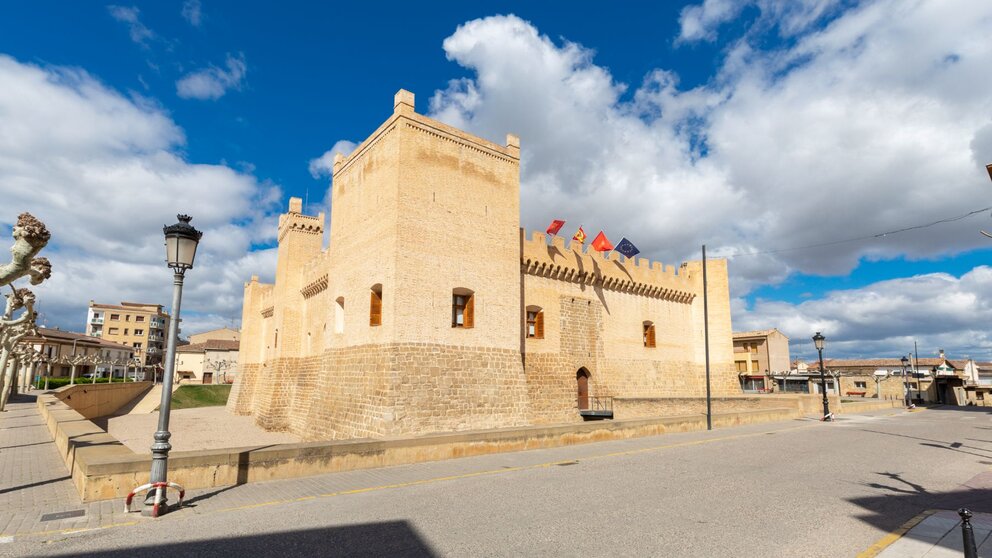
[102,468]
[800,404]
[643,407]
[100,400]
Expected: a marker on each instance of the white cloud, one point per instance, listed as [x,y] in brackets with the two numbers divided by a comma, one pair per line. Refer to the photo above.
[883,319]
[213,82]
[192,12]
[877,119]
[105,172]
[129,15]
[323,166]
[700,22]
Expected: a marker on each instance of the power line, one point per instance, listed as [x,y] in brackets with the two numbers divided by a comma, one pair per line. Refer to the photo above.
[860,238]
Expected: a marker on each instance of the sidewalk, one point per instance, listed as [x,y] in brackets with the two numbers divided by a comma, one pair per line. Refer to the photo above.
[938,535]
[32,475]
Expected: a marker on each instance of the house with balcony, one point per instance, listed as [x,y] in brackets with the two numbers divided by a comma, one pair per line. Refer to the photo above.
[137,325]
[758,357]
[978,383]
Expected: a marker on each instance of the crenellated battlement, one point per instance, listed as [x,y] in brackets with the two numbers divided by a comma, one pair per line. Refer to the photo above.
[575,263]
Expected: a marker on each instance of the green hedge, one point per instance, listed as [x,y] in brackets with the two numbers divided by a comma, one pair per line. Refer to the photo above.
[59,382]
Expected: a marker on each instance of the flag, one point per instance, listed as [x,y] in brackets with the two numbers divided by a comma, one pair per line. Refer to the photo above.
[555,226]
[601,243]
[580,236]
[627,248]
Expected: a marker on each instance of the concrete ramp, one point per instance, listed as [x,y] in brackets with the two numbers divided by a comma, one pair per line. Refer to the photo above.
[143,404]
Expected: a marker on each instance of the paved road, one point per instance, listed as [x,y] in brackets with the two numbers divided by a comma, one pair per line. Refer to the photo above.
[799,488]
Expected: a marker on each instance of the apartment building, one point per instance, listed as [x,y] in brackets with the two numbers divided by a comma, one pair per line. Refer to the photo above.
[140,326]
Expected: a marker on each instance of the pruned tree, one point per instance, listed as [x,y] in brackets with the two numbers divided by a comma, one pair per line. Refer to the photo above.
[30,236]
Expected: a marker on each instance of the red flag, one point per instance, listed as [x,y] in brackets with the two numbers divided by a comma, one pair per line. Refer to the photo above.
[555,226]
[601,243]
[580,236]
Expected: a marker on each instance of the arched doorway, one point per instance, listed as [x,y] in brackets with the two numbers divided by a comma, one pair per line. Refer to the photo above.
[582,379]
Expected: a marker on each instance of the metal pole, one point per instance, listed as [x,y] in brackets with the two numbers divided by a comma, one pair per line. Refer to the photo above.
[706,341]
[905,382]
[967,534]
[916,370]
[823,388]
[161,447]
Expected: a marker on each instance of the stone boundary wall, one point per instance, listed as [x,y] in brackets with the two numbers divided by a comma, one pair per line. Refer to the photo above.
[102,468]
[800,405]
[100,400]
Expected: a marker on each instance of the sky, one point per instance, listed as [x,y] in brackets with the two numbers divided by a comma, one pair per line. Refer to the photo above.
[785,136]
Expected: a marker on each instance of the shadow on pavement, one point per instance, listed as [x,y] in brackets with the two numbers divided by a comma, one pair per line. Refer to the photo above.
[392,538]
[904,499]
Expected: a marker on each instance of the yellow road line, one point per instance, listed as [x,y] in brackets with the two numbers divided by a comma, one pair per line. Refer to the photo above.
[887,540]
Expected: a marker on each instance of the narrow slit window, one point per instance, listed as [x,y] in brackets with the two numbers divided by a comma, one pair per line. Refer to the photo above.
[649,334]
[375,306]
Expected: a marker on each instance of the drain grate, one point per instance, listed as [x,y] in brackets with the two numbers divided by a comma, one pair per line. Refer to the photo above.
[63,515]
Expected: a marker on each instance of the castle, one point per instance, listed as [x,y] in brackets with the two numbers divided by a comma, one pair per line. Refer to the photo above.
[432,310]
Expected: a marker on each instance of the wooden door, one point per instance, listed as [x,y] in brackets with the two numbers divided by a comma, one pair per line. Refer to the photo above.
[208,377]
[582,378]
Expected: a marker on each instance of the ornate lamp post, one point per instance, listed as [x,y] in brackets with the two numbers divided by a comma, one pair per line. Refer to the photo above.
[818,340]
[181,240]
[905,380]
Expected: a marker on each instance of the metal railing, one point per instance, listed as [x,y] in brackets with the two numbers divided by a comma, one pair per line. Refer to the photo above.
[595,403]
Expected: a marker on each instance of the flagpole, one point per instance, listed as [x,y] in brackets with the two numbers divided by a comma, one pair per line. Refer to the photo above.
[706,341]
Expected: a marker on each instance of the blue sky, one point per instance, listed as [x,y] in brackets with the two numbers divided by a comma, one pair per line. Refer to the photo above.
[746,125]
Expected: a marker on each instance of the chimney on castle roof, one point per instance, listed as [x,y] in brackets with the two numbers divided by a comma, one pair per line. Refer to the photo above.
[403,102]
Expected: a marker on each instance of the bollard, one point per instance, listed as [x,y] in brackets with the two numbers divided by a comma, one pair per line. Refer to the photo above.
[967,534]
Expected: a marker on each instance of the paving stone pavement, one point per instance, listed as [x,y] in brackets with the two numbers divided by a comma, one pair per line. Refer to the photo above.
[939,536]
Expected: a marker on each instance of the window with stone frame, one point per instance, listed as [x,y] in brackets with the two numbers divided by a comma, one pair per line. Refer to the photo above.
[462,308]
[375,306]
[535,322]
[139,318]
[860,385]
[115,316]
[649,340]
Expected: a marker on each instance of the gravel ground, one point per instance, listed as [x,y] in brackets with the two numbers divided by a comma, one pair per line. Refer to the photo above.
[195,429]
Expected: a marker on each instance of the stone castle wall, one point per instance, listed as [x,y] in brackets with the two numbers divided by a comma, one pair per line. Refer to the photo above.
[420,209]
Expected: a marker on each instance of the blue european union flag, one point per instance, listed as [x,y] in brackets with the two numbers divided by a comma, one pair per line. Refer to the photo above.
[627,248]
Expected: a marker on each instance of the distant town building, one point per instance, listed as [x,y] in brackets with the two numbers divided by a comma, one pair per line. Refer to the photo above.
[140,326]
[211,357]
[222,334]
[758,355]
[59,348]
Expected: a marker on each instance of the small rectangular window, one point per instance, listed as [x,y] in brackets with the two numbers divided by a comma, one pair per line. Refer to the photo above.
[139,318]
[535,324]
[114,331]
[649,335]
[115,316]
[754,347]
[126,331]
[139,332]
[861,385]
[463,311]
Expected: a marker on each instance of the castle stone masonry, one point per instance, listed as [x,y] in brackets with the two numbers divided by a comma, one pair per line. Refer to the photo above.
[433,311]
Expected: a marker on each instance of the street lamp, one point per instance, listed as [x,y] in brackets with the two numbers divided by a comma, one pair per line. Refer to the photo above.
[180,249]
[818,340]
[905,381]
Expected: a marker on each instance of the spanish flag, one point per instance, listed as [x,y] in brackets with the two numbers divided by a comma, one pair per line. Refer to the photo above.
[580,236]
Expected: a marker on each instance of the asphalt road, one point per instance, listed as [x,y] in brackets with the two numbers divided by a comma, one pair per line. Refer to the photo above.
[796,489]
